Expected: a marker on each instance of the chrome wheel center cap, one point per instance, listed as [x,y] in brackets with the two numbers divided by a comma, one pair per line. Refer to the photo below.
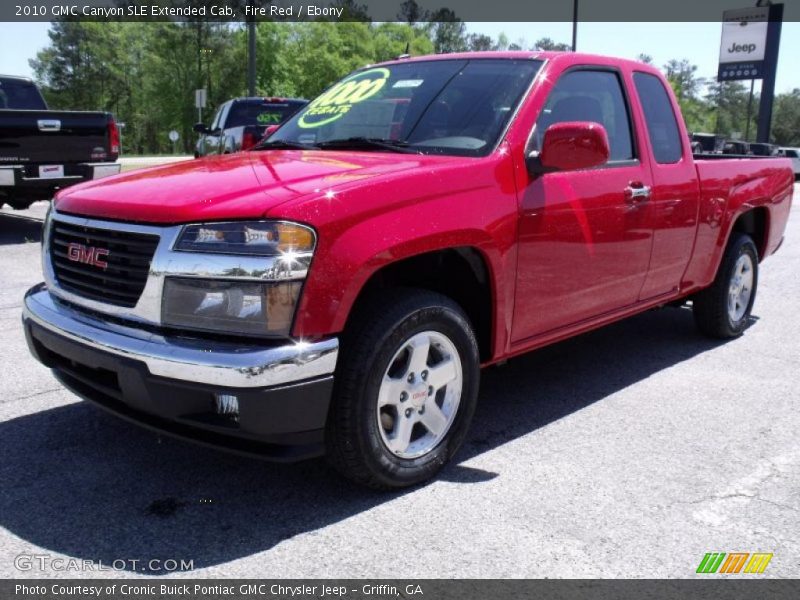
[418,395]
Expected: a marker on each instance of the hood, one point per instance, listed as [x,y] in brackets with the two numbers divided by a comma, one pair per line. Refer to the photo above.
[236,186]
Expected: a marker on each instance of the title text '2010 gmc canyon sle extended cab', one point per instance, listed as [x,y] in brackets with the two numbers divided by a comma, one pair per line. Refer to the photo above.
[336,289]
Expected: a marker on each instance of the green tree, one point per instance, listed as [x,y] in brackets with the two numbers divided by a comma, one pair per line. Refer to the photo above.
[394,39]
[479,42]
[447,32]
[502,42]
[786,119]
[728,107]
[322,52]
[682,76]
[546,43]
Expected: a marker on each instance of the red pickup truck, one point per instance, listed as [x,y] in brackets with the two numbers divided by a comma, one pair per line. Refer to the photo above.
[337,289]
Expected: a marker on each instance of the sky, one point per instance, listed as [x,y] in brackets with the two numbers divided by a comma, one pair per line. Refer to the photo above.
[698,42]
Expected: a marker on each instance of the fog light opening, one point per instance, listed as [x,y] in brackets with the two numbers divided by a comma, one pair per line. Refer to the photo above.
[227,405]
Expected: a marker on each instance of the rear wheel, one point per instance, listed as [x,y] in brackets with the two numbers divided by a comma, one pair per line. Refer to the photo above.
[406,390]
[723,309]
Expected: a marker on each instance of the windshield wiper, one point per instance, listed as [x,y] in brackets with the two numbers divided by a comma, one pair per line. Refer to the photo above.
[364,143]
[283,145]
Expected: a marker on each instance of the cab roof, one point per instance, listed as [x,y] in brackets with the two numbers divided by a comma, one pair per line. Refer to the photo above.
[566,57]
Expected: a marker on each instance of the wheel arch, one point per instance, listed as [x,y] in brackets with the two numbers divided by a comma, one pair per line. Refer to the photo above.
[755,223]
[461,273]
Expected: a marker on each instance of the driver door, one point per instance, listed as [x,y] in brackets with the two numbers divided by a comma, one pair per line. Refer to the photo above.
[584,238]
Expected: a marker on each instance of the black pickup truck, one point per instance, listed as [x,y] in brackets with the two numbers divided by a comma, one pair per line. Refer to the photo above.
[44,150]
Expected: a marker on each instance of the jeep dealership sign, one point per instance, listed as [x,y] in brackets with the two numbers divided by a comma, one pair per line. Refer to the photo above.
[744,42]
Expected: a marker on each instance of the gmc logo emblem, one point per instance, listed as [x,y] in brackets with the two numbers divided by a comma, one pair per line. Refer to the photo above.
[88,255]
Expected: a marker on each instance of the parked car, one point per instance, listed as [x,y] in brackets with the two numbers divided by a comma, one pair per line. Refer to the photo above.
[794,155]
[708,143]
[736,147]
[43,150]
[761,149]
[337,290]
[240,123]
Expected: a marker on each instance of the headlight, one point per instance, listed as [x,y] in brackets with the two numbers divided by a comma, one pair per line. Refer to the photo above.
[239,302]
[257,238]
[243,307]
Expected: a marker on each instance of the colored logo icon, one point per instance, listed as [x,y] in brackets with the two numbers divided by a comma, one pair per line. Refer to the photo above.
[734,562]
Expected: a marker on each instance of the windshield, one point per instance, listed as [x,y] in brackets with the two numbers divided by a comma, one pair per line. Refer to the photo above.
[250,112]
[456,107]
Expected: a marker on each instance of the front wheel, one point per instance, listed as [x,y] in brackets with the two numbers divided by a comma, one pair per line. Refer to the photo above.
[723,309]
[406,390]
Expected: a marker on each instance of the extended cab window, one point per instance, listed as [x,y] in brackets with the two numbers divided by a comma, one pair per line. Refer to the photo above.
[587,95]
[456,107]
[662,126]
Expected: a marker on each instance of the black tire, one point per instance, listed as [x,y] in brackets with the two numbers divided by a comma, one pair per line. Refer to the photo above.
[710,306]
[355,445]
[18,204]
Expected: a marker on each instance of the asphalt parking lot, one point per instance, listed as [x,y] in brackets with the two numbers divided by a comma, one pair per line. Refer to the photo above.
[628,452]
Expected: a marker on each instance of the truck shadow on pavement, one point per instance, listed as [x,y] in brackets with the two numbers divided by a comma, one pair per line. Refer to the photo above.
[16,229]
[85,484]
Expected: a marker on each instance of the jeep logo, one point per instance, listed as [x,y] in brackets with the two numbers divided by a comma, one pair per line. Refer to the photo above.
[736,48]
[88,255]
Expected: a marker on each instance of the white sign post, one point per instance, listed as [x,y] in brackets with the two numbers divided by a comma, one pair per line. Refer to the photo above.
[200,97]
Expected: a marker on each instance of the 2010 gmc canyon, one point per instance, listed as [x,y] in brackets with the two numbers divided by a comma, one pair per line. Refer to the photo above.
[337,289]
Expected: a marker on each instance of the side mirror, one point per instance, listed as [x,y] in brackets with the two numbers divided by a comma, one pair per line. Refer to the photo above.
[570,146]
[200,128]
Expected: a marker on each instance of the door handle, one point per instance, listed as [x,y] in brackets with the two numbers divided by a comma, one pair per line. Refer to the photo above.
[637,192]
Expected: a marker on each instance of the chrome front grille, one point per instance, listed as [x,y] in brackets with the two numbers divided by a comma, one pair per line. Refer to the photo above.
[105,265]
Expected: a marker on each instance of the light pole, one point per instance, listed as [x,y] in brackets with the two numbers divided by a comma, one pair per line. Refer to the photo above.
[251,53]
[574,25]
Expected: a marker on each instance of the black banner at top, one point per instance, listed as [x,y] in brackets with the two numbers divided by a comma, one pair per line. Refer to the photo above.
[379,10]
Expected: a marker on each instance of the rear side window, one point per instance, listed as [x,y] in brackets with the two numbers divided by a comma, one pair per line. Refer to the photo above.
[662,126]
[23,95]
[587,95]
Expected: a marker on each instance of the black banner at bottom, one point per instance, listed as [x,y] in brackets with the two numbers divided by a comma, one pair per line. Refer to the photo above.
[422,589]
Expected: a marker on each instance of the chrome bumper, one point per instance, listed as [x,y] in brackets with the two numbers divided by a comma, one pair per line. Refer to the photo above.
[201,361]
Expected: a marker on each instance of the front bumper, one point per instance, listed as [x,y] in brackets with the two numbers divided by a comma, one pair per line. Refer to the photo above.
[169,383]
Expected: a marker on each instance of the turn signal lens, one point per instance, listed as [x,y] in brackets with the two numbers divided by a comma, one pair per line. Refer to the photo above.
[294,238]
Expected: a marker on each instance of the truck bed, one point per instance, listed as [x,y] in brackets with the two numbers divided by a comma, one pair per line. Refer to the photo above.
[730,186]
